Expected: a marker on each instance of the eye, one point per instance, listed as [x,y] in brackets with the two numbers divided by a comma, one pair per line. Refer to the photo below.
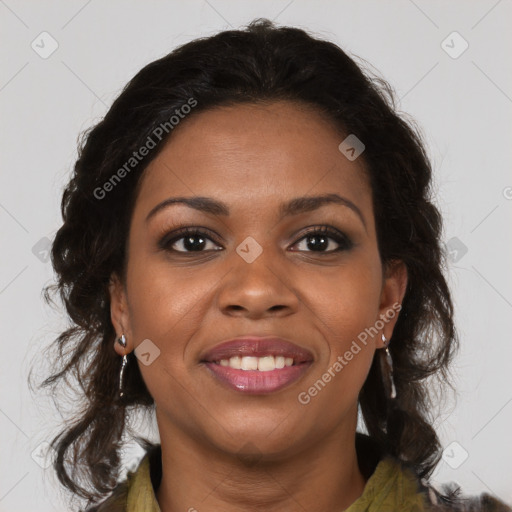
[318,239]
[187,240]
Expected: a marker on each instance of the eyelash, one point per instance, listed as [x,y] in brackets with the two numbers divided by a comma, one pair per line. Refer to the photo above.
[340,238]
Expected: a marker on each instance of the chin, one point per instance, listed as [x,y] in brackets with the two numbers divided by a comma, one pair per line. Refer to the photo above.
[258,440]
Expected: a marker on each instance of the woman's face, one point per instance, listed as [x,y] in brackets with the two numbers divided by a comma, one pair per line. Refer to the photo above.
[257,270]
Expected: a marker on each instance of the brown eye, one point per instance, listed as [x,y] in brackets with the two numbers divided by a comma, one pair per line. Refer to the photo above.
[320,239]
[187,240]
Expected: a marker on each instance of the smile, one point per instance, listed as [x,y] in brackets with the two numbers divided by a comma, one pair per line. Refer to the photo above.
[257,375]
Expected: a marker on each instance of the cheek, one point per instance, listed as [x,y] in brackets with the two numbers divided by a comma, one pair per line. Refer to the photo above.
[347,308]
[160,298]
[165,307]
[350,294]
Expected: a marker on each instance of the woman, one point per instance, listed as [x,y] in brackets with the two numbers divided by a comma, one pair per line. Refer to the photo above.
[250,250]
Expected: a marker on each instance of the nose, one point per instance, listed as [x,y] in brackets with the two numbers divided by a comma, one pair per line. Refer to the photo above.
[257,289]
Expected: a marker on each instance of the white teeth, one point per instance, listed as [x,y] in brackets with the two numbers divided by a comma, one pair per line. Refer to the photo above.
[235,362]
[249,363]
[263,364]
[266,363]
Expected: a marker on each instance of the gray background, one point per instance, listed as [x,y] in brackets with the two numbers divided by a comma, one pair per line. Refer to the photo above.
[462,102]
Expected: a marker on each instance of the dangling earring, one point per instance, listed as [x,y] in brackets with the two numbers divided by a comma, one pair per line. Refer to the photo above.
[389,364]
[122,341]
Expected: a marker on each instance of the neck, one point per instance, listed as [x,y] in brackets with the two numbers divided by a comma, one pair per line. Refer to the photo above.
[195,477]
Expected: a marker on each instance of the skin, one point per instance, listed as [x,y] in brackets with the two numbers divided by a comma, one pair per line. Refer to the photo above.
[222,449]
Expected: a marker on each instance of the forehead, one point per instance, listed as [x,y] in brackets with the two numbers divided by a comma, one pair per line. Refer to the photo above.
[253,154]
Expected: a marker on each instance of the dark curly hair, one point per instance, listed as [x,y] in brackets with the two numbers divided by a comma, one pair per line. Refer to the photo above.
[261,63]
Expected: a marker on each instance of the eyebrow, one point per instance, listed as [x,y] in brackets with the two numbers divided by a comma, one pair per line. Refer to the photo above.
[292,207]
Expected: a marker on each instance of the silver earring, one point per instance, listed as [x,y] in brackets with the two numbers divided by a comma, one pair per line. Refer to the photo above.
[389,364]
[122,341]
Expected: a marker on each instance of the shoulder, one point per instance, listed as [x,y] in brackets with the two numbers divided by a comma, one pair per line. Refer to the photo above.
[447,497]
[450,498]
[117,501]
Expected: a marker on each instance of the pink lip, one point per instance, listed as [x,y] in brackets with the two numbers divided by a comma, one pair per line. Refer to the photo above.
[254,382]
[257,347]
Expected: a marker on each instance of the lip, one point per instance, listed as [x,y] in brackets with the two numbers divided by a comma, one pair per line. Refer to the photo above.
[254,381]
[257,347]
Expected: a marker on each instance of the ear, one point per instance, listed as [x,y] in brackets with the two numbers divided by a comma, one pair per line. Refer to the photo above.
[393,290]
[119,313]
